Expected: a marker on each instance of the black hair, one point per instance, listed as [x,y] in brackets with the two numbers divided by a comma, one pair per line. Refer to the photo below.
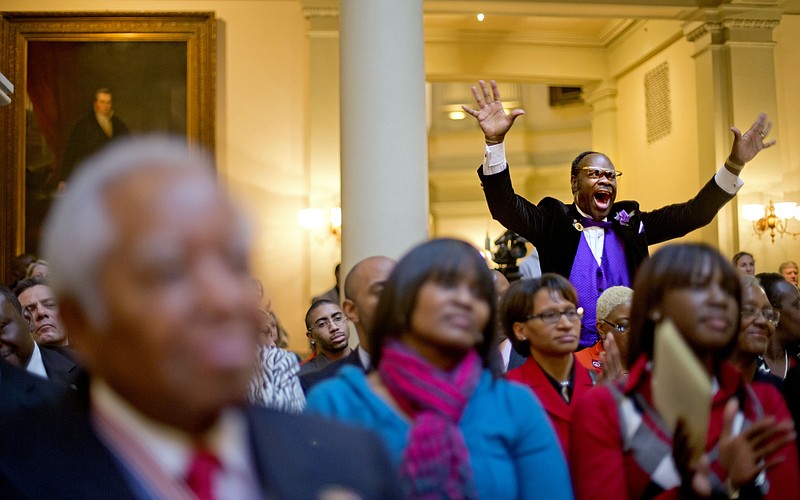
[23,285]
[577,161]
[11,297]
[673,267]
[317,304]
[439,261]
[517,304]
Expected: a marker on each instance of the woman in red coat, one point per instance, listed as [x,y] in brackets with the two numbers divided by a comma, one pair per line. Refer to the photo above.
[620,447]
[542,319]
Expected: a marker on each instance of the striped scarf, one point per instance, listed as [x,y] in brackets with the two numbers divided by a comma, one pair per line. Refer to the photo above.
[435,463]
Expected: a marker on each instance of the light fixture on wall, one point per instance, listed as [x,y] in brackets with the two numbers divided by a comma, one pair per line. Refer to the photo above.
[773,218]
[322,220]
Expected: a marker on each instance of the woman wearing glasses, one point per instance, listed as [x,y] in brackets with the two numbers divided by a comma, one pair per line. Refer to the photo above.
[758,321]
[543,322]
[613,318]
[453,429]
[617,429]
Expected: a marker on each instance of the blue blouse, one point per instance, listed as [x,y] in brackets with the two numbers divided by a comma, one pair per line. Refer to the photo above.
[513,449]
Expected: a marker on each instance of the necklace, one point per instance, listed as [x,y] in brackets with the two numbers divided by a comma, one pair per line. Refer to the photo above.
[565,389]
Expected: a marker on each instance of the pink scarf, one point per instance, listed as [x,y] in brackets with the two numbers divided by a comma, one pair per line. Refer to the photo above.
[436,462]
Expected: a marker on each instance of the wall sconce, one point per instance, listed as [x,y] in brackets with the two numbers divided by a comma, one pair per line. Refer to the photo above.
[320,219]
[773,218]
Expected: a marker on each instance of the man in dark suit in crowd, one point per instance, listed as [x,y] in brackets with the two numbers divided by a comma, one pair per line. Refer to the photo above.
[594,241]
[18,348]
[93,132]
[40,308]
[19,390]
[149,263]
[362,288]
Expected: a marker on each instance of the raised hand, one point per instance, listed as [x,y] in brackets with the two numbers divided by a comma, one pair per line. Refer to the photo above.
[610,361]
[746,146]
[743,456]
[491,117]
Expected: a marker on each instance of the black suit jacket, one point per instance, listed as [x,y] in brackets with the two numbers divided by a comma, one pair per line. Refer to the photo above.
[295,456]
[60,366]
[549,226]
[20,390]
[86,138]
[310,379]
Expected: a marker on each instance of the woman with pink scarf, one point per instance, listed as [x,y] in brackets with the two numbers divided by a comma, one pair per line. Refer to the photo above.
[454,429]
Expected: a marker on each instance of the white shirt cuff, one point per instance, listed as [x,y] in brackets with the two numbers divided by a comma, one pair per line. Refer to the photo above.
[729,182]
[494,159]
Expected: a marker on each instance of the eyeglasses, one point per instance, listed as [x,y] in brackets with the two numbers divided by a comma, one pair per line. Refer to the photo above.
[596,173]
[552,317]
[750,313]
[337,319]
[619,328]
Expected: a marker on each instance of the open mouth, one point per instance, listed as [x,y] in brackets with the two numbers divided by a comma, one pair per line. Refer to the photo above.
[602,199]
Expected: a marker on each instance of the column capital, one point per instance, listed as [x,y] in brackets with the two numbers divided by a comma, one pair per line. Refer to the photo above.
[733,24]
[320,12]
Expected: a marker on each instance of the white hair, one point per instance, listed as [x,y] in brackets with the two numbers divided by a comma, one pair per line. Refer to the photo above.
[78,231]
[611,298]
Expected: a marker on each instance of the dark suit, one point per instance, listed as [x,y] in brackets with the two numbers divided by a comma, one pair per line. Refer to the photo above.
[20,390]
[294,456]
[86,138]
[549,226]
[310,379]
[61,367]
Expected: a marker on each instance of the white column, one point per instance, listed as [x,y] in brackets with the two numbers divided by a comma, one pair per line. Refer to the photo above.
[384,143]
[735,81]
[602,97]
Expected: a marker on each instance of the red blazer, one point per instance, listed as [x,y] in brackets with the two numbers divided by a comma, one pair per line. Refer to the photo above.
[560,413]
[597,444]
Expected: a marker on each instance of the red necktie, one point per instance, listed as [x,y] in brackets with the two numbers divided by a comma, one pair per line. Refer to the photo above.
[200,477]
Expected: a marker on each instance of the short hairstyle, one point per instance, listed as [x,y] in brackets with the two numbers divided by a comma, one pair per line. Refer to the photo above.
[23,285]
[437,261]
[577,161]
[32,266]
[316,305]
[771,283]
[739,255]
[10,297]
[611,298]
[103,90]
[78,231]
[787,265]
[517,304]
[674,267]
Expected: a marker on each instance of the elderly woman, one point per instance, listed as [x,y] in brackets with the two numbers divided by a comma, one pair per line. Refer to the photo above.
[275,383]
[453,428]
[613,319]
[758,320]
[617,430]
[542,319]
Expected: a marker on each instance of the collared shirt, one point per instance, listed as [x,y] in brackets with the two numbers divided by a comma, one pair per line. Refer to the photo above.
[505,352]
[170,450]
[36,364]
[494,162]
[106,124]
[363,356]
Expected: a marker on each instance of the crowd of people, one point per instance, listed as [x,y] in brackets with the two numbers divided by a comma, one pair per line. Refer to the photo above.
[141,359]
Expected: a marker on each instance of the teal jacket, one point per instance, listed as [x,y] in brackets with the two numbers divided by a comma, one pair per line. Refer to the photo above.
[513,449]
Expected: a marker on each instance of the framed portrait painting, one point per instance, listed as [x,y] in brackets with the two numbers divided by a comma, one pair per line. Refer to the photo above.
[85,79]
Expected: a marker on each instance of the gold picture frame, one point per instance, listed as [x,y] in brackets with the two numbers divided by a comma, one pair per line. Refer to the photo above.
[160,67]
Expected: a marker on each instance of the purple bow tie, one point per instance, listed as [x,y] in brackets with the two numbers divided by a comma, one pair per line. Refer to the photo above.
[587,222]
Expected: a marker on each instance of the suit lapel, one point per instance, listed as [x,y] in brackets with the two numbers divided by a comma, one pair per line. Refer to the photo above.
[550,398]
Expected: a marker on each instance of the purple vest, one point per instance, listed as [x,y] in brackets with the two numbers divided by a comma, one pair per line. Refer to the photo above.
[590,280]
